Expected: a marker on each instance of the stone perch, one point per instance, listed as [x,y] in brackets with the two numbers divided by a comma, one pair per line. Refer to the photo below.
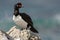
[17,34]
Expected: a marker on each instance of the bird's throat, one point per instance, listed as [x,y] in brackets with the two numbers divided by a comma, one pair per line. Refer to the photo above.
[16,11]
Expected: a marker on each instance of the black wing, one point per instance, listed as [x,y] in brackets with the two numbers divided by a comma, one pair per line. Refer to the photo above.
[27,18]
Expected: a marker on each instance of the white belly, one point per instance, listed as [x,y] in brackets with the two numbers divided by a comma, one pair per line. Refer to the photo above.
[19,21]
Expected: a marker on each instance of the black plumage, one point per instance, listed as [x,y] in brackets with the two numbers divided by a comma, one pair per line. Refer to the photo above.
[29,21]
[25,17]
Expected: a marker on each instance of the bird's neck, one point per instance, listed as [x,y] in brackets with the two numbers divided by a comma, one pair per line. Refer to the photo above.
[16,11]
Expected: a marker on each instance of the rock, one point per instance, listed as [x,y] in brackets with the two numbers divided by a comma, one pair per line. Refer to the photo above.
[17,34]
[4,36]
[22,34]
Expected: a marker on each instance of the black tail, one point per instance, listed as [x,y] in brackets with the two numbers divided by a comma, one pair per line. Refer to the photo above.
[33,29]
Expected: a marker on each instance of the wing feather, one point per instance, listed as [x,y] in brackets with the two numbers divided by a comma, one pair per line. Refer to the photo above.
[27,18]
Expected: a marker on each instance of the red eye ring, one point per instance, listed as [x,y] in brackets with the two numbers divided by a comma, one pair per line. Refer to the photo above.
[19,5]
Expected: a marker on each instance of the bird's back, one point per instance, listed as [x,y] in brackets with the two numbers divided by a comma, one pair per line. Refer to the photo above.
[26,18]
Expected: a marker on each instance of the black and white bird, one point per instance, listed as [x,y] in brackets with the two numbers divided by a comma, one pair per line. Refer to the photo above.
[22,19]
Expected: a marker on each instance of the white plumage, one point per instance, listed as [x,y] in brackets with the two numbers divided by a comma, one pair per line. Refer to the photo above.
[19,21]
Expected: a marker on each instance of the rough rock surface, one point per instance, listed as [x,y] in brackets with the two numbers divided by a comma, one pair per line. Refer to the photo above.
[17,34]
[4,36]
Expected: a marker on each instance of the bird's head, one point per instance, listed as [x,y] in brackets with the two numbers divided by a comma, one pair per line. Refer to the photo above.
[18,5]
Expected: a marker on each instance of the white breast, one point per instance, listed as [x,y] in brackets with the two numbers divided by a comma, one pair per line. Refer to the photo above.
[19,21]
